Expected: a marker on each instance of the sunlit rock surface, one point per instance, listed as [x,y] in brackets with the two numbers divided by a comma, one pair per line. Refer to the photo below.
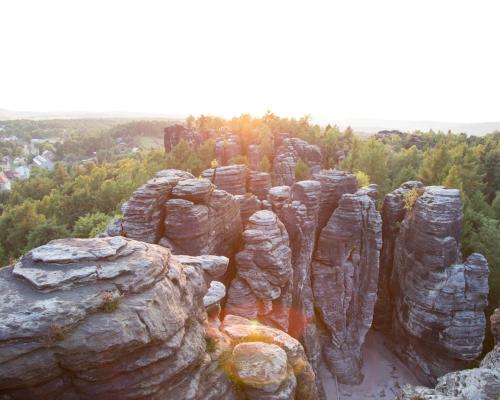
[231,178]
[345,276]
[262,288]
[259,184]
[103,318]
[439,301]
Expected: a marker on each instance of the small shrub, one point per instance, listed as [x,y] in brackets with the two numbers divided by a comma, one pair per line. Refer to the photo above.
[109,302]
[411,197]
[302,171]
[211,344]
[362,178]
[214,163]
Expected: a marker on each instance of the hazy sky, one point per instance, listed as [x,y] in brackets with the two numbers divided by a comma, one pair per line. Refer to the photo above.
[417,60]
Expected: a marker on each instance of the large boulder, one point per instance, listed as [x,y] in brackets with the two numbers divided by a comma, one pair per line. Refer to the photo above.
[439,301]
[345,276]
[259,184]
[104,318]
[263,283]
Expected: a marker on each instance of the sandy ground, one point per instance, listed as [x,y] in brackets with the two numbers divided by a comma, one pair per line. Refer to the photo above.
[384,373]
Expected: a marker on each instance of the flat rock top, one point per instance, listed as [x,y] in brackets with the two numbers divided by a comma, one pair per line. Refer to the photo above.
[70,250]
[216,292]
[280,191]
[263,217]
[260,364]
[192,186]
[215,266]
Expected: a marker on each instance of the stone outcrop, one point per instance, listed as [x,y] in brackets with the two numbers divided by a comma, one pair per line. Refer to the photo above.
[249,205]
[298,209]
[438,318]
[393,213]
[287,156]
[262,286]
[231,178]
[259,184]
[143,213]
[227,146]
[345,276]
[104,318]
[334,184]
[254,157]
[481,383]
[185,214]
[175,133]
[266,362]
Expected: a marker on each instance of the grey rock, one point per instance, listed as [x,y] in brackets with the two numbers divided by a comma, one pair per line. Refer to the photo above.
[345,276]
[249,204]
[99,319]
[216,292]
[227,146]
[393,213]
[197,191]
[214,267]
[263,272]
[231,178]
[438,317]
[287,156]
[254,157]
[259,184]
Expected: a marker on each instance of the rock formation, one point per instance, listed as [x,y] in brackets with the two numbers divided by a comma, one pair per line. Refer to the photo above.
[287,156]
[267,362]
[99,319]
[259,184]
[262,286]
[175,133]
[254,157]
[227,146]
[298,209]
[334,184]
[231,178]
[345,276]
[249,204]
[393,213]
[187,215]
[438,318]
[481,383]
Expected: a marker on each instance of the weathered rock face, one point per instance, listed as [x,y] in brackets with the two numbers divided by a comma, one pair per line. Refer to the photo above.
[438,322]
[334,184]
[299,214]
[262,286]
[393,213]
[175,133]
[345,276]
[143,213]
[103,318]
[259,184]
[481,383]
[231,178]
[267,362]
[287,155]
[227,147]
[254,157]
[187,215]
[495,325]
[249,204]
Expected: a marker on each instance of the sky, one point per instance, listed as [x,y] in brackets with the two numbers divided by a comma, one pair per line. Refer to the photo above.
[436,60]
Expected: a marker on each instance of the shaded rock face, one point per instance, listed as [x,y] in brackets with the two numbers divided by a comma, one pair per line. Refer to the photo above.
[495,325]
[231,178]
[267,363]
[175,133]
[481,383]
[393,213]
[334,184]
[143,213]
[262,286]
[103,318]
[187,215]
[345,276]
[287,156]
[249,205]
[438,316]
[259,184]
[227,147]
[298,209]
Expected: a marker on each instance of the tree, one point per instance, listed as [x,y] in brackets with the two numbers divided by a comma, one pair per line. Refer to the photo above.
[302,171]
[265,165]
[362,178]
[90,225]
[45,232]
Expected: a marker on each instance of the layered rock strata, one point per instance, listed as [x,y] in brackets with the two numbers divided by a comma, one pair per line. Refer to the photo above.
[287,156]
[231,178]
[263,283]
[249,205]
[439,302]
[259,184]
[227,146]
[103,318]
[393,213]
[345,276]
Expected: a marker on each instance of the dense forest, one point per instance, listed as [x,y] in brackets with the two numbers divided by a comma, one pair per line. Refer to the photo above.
[79,199]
